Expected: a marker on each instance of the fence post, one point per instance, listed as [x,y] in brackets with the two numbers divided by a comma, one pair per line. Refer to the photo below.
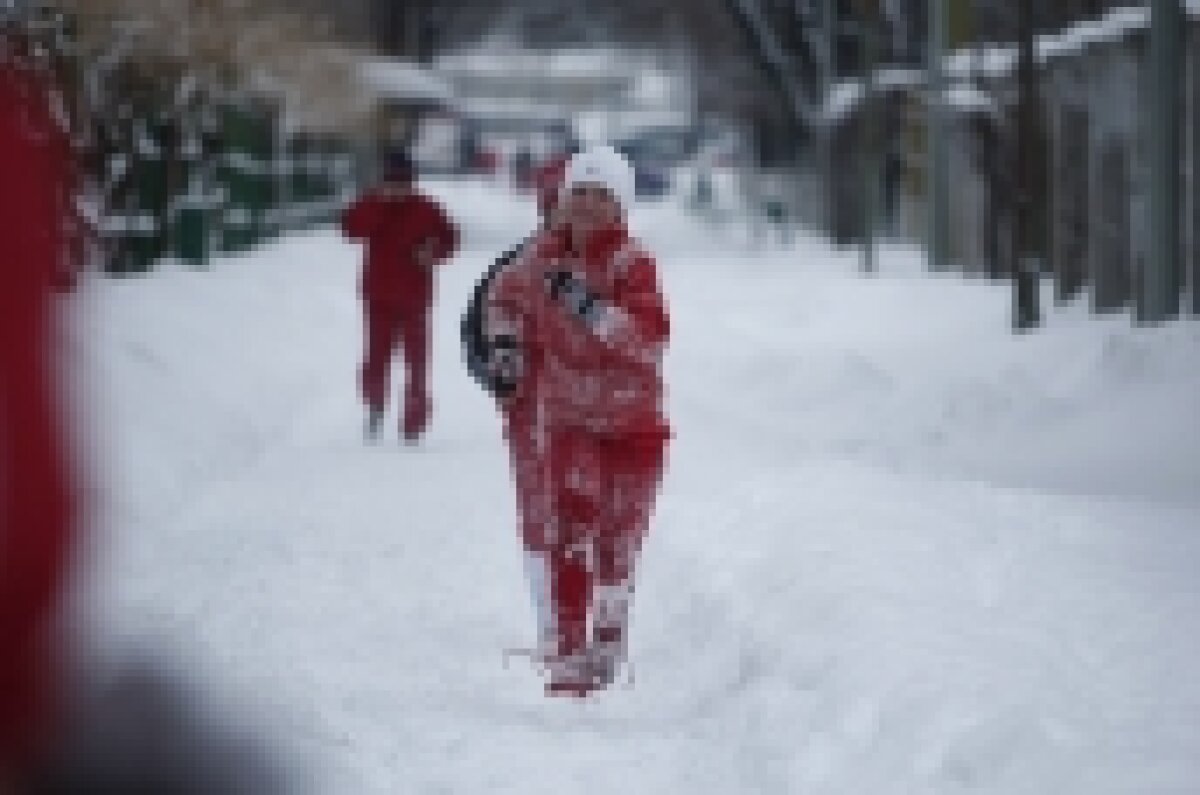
[870,134]
[1160,281]
[1028,265]
[937,168]
[828,78]
[1193,45]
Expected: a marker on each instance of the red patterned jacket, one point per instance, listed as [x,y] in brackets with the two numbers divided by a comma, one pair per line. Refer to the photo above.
[601,372]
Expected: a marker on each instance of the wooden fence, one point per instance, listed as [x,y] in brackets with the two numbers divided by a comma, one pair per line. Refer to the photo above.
[1095,206]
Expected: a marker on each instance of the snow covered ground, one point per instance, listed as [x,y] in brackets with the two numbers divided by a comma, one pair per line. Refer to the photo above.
[898,550]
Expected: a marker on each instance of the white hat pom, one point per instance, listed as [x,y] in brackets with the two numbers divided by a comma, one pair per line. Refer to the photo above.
[602,165]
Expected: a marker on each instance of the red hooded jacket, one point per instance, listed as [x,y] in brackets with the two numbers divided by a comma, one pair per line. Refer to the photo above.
[604,377]
[395,229]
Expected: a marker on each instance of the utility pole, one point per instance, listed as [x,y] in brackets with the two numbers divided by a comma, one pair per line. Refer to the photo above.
[937,170]
[1161,278]
[1026,269]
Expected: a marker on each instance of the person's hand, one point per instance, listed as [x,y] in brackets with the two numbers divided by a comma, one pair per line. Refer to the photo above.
[506,365]
[569,291]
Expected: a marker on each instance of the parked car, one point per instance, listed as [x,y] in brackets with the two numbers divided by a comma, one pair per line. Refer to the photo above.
[655,155]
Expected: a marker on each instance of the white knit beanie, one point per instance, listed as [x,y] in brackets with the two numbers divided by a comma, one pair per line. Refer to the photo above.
[605,166]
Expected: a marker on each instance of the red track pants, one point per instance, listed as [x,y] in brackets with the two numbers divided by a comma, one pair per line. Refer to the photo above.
[389,326]
[585,502]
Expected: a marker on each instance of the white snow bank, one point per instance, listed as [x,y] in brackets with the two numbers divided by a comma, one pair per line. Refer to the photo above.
[914,370]
[199,372]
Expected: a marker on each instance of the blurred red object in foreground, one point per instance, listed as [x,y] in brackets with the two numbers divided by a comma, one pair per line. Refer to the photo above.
[66,727]
[38,506]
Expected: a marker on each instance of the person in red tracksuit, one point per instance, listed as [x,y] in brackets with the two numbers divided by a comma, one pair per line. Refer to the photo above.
[581,325]
[547,180]
[407,235]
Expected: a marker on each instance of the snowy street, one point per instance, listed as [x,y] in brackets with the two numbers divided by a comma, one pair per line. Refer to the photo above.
[898,548]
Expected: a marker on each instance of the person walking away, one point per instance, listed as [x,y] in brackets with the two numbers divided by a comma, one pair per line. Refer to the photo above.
[547,180]
[581,326]
[407,234]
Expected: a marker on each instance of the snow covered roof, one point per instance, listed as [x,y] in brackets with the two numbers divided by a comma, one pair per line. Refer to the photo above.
[603,64]
[403,80]
[499,108]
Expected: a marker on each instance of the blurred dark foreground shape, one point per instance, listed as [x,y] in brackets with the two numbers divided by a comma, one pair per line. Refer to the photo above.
[145,729]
